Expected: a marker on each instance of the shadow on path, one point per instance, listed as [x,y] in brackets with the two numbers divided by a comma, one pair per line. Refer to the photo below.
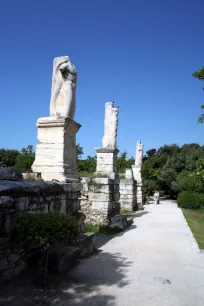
[82,286]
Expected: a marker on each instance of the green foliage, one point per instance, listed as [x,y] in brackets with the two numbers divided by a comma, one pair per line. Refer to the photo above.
[162,170]
[41,230]
[79,151]
[151,152]
[199,172]
[186,181]
[25,159]
[199,74]
[106,230]
[87,165]
[150,186]
[190,200]
[8,157]
[124,162]
[125,211]
[86,174]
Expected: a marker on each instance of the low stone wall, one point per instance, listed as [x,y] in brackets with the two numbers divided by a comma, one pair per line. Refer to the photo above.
[27,196]
[128,190]
[99,200]
[17,197]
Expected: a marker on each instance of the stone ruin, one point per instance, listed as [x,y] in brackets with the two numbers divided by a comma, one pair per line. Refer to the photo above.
[58,186]
[55,185]
[100,195]
[56,152]
[131,187]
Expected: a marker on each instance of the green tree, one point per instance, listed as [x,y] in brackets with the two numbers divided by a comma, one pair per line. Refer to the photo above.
[151,152]
[124,162]
[8,157]
[199,172]
[199,74]
[79,151]
[187,181]
[162,170]
[25,159]
[87,165]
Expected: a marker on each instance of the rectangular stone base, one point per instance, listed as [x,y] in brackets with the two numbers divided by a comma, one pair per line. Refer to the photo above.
[100,200]
[55,158]
[128,194]
[106,163]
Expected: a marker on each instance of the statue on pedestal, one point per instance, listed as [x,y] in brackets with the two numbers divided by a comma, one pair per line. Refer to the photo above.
[55,157]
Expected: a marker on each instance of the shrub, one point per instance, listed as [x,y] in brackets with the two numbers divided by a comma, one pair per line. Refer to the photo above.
[187,182]
[150,186]
[25,159]
[41,230]
[190,200]
[202,200]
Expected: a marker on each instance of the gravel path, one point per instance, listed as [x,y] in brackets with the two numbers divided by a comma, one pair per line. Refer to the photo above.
[155,262]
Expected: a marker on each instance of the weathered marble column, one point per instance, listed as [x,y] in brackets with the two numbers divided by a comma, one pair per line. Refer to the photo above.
[137,174]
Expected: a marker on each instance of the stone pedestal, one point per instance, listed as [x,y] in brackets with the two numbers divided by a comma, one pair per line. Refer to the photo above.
[128,188]
[106,163]
[55,157]
[100,200]
[138,178]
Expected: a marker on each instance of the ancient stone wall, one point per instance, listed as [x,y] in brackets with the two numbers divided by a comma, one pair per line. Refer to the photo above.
[17,197]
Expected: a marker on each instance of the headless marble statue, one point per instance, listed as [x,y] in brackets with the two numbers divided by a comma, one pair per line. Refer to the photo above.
[139,154]
[63,95]
[110,126]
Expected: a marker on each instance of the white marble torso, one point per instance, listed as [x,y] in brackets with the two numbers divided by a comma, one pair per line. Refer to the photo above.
[110,126]
[63,96]
[139,154]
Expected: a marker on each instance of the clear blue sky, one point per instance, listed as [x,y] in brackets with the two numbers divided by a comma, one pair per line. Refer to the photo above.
[141,54]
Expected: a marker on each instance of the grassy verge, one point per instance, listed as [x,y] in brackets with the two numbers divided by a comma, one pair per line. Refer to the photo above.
[195,219]
[124,211]
[86,174]
[102,230]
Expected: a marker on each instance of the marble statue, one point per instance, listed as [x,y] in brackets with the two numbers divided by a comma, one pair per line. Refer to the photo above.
[110,126]
[139,154]
[63,95]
